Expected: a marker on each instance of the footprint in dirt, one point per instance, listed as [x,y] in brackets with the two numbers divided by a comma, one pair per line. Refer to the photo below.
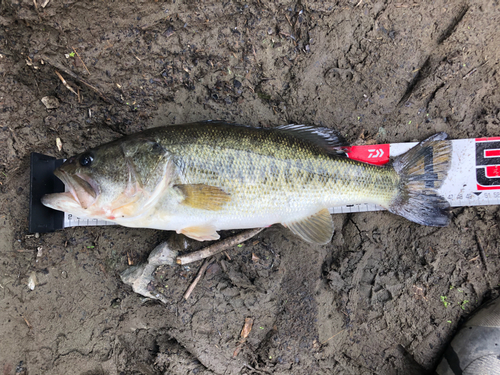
[337,76]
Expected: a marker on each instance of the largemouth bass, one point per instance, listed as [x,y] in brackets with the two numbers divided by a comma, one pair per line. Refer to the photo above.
[200,178]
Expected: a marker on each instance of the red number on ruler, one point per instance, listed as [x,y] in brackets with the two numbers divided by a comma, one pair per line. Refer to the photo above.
[488,163]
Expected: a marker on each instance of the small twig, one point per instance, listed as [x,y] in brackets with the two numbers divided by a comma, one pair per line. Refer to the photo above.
[198,277]
[218,247]
[470,73]
[338,333]
[132,52]
[85,66]
[73,75]
[66,83]
[287,35]
[27,323]
[474,259]
[254,369]
[473,71]
[481,252]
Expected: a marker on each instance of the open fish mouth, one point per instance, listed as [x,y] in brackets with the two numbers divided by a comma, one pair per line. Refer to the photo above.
[81,192]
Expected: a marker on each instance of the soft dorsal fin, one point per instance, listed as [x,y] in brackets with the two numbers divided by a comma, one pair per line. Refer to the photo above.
[317,228]
[203,196]
[329,139]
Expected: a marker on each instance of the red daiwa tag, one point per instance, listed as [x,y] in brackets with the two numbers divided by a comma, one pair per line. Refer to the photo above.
[373,154]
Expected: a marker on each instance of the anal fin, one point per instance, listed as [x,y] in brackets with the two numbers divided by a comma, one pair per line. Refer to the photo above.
[201,232]
[317,228]
[203,196]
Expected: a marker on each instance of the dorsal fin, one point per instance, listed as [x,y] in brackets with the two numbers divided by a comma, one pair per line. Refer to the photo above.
[329,139]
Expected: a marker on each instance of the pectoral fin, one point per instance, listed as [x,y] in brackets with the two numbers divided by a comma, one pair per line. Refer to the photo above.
[317,228]
[200,232]
[203,196]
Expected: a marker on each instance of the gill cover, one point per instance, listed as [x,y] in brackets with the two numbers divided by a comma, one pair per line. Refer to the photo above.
[118,180]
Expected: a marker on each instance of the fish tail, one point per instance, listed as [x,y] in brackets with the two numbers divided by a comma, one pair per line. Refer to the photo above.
[422,171]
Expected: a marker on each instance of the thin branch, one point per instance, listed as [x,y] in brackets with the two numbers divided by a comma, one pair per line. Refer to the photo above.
[218,247]
[198,277]
[85,66]
[481,253]
[338,333]
[66,83]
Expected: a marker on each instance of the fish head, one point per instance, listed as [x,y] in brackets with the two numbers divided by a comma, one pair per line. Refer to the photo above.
[112,182]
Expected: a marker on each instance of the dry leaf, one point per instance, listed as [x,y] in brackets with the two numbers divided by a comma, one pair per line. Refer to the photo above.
[246,328]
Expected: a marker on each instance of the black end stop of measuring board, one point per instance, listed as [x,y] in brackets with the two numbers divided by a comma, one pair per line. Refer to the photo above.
[42,181]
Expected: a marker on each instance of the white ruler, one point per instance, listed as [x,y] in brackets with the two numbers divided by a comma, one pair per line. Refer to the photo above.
[473,179]
[71,220]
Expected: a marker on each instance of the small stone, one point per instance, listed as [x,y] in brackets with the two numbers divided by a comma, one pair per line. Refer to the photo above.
[139,278]
[32,281]
[163,254]
[50,102]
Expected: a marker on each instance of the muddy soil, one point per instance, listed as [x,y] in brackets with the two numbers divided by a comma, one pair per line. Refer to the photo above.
[371,302]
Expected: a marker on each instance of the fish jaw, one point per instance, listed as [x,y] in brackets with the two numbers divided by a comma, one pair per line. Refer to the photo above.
[83,189]
[64,202]
[81,194]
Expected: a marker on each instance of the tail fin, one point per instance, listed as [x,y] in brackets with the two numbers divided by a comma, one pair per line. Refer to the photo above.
[422,171]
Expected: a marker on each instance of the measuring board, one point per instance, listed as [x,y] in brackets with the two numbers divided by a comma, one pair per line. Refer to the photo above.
[473,180]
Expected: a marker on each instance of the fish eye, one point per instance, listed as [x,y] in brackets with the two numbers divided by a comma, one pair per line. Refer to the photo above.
[86,159]
[157,148]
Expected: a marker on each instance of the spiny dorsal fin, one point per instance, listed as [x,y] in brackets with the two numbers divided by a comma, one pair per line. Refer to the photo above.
[317,228]
[203,196]
[329,139]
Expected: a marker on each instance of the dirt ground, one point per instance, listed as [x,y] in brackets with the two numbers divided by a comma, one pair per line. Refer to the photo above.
[384,297]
